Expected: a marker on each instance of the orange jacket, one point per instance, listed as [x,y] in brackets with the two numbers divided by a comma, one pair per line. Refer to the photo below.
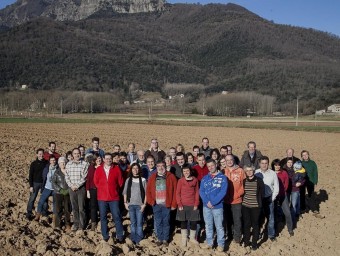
[235,191]
[171,182]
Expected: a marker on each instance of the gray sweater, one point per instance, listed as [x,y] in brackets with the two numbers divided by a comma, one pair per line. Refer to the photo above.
[136,198]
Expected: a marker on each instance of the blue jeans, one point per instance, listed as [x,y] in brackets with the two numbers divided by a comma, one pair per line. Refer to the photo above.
[214,217]
[268,208]
[33,196]
[113,206]
[295,200]
[43,199]
[161,216]
[136,219]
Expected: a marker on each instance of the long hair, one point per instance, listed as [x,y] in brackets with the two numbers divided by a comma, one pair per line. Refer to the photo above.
[129,184]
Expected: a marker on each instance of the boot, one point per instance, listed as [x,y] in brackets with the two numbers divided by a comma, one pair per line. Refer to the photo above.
[37,216]
[192,237]
[184,234]
[93,226]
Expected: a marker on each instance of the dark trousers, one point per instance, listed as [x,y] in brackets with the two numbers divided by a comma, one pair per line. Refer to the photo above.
[33,196]
[78,206]
[62,204]
[233,220]
[310,188]
[303,197]
[94,205]
[251,219]
[281,205]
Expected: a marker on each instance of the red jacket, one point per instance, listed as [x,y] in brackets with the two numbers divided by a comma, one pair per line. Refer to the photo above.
[200,172]
[47,156]
[171,182]
[187,192]
[108,189]
[283,182]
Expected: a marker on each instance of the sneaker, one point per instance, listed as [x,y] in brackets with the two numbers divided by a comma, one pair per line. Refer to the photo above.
[159,243]
[273,239]
[291,233]
[254,247]
[165,243]
[220,249]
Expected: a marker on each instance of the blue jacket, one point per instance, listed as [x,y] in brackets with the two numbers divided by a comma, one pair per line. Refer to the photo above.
[214,189]
[100,152]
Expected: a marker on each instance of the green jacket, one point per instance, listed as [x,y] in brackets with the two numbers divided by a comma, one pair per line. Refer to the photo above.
[312,171]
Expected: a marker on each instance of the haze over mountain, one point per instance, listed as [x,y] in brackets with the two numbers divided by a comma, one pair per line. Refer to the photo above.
[224,47]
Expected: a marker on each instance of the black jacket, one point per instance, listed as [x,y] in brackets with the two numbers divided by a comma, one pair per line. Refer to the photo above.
[36,171]
[58,181]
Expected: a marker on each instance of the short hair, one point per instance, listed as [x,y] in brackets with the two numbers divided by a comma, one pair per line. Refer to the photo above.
[116,145]
[180,154]
[224,147]
[151,156]
[114,154]
[275,162]
[205,138]
[123,153]
[172,148]
[95,157]
[68,153]
[251,142]
[229,146]
[76,149]
[51,142]
[188,166]
[95,139]
[211,161]
[200,155]
[264,158]
[133,144]
[193,148]
[290,159]
[51,157]
[160,162]
[304,151]
[232,157]
[39,149]
[246,166]
[81,146]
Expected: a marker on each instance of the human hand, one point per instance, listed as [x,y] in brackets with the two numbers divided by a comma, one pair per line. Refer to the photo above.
[195,208]
[142,208]
[210,205]
[180,208]
[298,184]
[88,194]
[126,206]
[31,189]
[173,208]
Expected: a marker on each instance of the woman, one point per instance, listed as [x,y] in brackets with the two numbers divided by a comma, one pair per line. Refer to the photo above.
[190,159]
[61,195]
[311,179]
[215,155]
[167,161]
[69,156]
[135,201]
[180,148]
[187,197]
[281,200]
[251,206]
[48,173]
[222,164]
[91,189]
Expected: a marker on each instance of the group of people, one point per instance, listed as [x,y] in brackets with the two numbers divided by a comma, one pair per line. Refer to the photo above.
[208,189]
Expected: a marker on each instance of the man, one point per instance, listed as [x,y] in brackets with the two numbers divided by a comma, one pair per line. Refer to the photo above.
[76,173]
[161,195]
[140,158]
[272,188]
[95,148]
[150,167]
[223,151]
[155,151]
[230,152]
[212,191]
[251,156]
[35,180]
[109,181]
[195,152]
[177,167]
[233,200]
[200,170]
[124,165]
[290,153]
[172,154]
[51,151]
[131,154]
[116,148]
[82,152]
[205,149]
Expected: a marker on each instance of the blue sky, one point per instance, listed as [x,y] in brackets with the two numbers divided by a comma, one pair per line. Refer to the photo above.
[322,15]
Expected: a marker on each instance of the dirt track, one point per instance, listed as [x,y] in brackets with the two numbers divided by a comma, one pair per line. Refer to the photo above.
[314,236]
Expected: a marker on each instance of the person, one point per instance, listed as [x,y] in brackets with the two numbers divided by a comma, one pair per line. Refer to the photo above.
[251,206]
[233,199]
[290,154]
[230,152]
[124,165]
[195,152]
[271,191]
[161,195]
[115,158]
[82,152]
[223,151]
[35,181]
[311,181]
[212,191]
[190,159]
[140,158]
[69,156]
[187,197]
[95,148]
[177,168]
[222,164]
[155,151]
[135,201]
[172,154]
[61,195]
[201,169]
[116,148]
[109,180]
[76,173]
[297,178]
[150,167]
[91,190]
[251,156]
[205,148]
[47,175]
[282,201]
[215,155]
[180,148]
[52,146]
[168,165]
[131,153]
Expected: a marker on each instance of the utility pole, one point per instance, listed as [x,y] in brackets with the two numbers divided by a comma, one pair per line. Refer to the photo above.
[297,111]
[91,107]
[61,107]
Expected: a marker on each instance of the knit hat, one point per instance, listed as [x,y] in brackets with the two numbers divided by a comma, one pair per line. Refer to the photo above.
[297,166]
[62,159]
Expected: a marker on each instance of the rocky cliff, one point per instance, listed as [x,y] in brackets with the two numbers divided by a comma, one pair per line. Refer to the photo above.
[72,10]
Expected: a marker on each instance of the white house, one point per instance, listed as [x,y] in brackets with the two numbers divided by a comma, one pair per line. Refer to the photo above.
[335,108]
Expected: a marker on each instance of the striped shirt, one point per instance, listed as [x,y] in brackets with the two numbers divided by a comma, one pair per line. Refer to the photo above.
[250,194]
[76,173]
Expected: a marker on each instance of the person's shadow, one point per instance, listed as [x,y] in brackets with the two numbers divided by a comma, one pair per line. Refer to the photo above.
[313,202]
